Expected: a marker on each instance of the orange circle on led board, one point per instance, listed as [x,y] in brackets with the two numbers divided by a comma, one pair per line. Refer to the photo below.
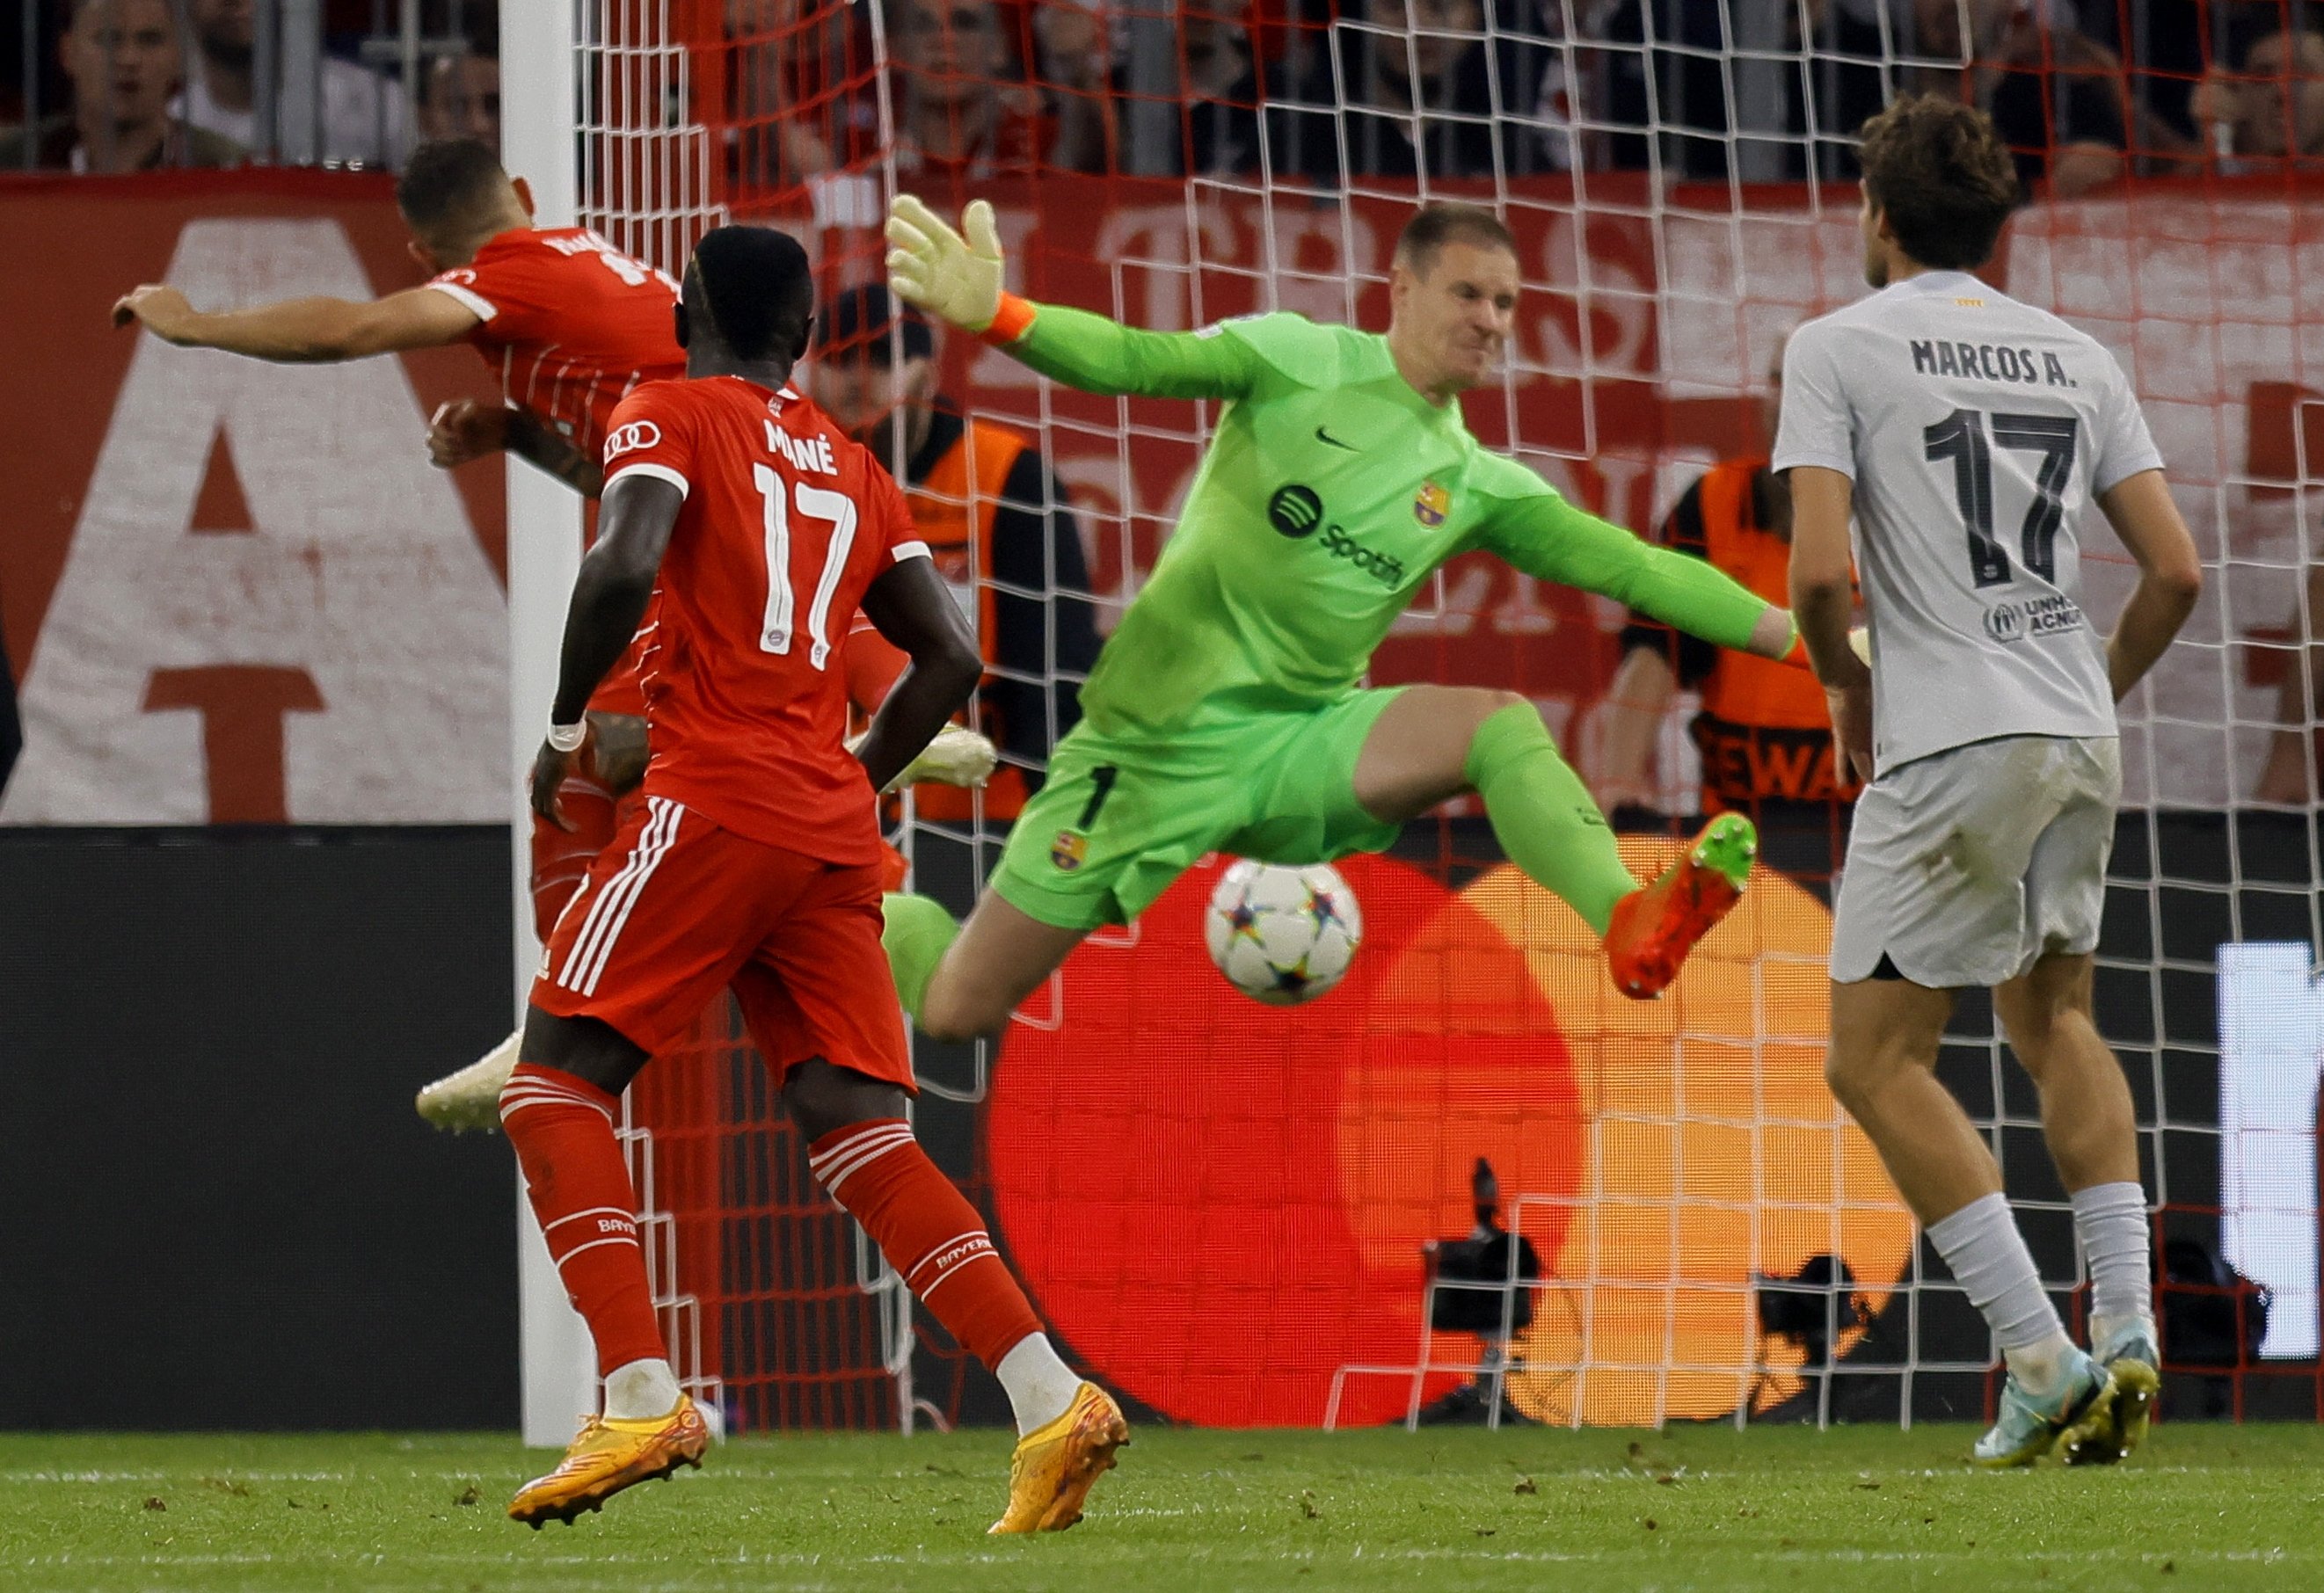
[1218,1204]
[1714,1151]
[1166,1162]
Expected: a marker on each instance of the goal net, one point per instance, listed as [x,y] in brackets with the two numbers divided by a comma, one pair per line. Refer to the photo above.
[1243,1215]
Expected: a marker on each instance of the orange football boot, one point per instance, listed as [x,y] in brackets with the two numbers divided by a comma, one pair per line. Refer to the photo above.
[1654,928]
[1056,1465]
[608,1455]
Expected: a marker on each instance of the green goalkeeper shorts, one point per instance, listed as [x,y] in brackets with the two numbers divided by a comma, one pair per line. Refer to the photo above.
[1119,818]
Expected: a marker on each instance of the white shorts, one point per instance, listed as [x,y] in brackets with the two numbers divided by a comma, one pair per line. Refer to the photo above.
[1966,866]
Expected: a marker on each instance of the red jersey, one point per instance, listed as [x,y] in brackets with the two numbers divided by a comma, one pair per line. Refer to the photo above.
[571,322]
[572,325]
[786,523]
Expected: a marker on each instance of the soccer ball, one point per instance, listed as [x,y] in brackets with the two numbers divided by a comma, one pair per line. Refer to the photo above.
[1282,934]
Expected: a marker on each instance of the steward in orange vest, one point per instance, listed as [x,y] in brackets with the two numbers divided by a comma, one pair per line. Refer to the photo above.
[1764,733]
[998,525]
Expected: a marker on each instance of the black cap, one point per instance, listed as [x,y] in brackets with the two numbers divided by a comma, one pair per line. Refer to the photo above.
[863,323]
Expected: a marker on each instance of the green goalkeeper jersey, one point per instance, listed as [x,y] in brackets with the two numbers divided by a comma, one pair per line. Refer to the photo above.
[1330,492]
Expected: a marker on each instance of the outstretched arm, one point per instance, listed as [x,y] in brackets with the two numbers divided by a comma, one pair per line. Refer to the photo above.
[958,280]
[1546,536]
[303,331]
[609,599]
[1100,355]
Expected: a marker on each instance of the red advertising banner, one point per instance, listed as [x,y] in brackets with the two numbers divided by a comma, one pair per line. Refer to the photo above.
[237,592]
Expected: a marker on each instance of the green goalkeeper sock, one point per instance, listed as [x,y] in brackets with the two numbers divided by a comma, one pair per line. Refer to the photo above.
[1545,817]
[915,935]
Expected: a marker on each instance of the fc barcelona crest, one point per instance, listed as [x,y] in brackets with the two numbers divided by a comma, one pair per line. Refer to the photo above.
[1431,504]
[1068,851]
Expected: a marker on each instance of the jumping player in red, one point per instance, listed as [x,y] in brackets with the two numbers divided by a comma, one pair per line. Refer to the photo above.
[756,527]
[568,322]
[569,325]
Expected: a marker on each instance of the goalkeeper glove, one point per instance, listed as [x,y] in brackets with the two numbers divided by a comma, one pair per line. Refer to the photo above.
[1859,642]
[957,757]
[933,268]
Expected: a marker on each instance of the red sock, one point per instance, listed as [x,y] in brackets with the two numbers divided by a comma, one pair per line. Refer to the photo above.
[563,1130]
[928,1232]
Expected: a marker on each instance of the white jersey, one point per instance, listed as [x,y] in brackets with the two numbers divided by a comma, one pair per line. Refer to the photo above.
[1977,430]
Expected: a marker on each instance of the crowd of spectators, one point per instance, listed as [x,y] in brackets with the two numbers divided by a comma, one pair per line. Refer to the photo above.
[124,62]
[2269,105]
[1323,92]
[135,85]
[1332,91]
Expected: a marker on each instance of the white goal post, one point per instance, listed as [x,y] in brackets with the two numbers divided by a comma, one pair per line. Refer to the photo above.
[544,550]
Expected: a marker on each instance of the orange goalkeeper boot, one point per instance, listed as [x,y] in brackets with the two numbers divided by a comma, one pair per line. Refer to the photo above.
[1654,928]
[608,1455]
[1055,1466]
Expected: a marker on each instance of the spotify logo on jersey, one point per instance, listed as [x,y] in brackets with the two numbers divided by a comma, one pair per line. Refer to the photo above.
[1295,511]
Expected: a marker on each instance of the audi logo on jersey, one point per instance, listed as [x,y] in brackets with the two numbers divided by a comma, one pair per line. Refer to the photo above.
[630,438]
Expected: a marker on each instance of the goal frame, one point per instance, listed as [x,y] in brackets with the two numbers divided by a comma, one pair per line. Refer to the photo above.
[558,1373]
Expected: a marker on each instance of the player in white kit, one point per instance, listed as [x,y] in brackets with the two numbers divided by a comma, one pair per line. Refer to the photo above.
[1967,432]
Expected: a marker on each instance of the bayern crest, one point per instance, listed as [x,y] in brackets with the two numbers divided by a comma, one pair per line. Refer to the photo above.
[1431,504]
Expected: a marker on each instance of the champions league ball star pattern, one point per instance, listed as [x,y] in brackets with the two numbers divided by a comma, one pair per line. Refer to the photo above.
[1283,935]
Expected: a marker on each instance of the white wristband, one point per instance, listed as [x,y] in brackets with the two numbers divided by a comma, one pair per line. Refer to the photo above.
[567,738]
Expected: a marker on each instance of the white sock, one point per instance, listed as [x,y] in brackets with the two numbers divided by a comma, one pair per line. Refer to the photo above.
[640,1391]
[1987,1255]
[1039,1385]
[2110,1219]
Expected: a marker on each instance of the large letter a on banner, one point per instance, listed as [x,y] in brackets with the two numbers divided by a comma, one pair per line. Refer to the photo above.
[361,574]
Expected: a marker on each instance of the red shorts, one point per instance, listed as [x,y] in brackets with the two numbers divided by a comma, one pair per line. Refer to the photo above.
[561,857]
[678,908]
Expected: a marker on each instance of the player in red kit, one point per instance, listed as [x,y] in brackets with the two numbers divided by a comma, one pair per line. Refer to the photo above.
[756,529]
[565,322]
[568,324]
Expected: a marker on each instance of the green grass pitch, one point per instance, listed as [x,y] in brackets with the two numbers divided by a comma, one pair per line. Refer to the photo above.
[2203,1508]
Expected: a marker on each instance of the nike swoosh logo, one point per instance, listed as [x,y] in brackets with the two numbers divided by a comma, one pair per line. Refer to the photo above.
[1323,436]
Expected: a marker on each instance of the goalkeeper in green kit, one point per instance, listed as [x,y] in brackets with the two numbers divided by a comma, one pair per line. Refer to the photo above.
[1224,713]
